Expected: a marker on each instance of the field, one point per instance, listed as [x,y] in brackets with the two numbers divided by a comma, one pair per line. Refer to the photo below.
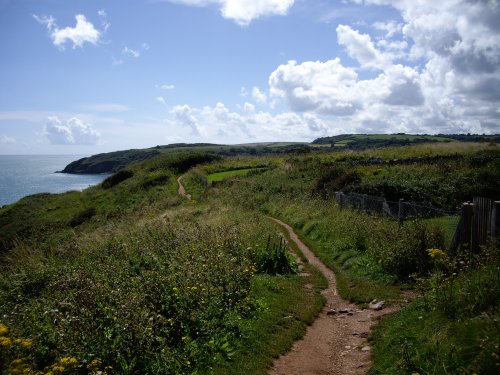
[128,277]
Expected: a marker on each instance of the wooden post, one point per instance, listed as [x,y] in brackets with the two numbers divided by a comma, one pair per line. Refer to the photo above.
[401,215]
[468,211]
[495,219]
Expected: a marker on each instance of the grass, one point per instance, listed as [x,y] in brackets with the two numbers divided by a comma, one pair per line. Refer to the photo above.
[132,276]
[220,176]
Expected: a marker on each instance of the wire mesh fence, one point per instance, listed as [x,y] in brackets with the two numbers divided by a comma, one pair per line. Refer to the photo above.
[400,210]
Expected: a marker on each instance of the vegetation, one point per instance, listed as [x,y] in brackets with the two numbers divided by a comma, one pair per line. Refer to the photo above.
[129,277]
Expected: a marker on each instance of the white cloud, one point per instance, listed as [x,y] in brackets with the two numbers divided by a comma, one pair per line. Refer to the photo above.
[83,32]
[161,99]
[259,95]
[7,140]
[439,71]
[130,52]
[184,116]
[104,19]
[360,47]
[220,124]
[243,12]
[71,132]
[390,28]
[165,86]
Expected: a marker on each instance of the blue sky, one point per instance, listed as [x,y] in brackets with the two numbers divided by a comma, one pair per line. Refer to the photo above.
[89,76]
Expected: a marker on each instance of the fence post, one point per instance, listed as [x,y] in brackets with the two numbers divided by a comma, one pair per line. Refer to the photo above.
[468,211]
[401,215]
[495,220]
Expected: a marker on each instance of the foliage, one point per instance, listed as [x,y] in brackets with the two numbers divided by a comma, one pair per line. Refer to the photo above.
[452,329]
[82,216]
[275,258]
[116,178]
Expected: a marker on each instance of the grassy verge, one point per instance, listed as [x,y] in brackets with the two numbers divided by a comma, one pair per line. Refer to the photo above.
[452,329]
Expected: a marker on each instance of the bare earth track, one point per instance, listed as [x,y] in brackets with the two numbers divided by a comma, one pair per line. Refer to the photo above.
[336,343]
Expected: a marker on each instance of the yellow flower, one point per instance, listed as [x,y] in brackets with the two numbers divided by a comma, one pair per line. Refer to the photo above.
[68,361]
[436,253]
[5,341]
[3,330]
[16,362]
[25,343]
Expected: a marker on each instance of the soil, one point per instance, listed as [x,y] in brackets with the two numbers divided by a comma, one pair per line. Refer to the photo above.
[182,190]
[336,343]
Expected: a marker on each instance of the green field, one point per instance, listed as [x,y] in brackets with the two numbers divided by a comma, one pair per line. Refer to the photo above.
[220,176]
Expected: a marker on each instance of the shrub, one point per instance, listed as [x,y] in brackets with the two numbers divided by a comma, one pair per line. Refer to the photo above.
[116,178]
[334,178]
[406,253]
[275,258]
[154,179]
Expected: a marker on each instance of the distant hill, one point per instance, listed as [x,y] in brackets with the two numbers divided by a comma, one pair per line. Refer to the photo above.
[113,161]
[364,141]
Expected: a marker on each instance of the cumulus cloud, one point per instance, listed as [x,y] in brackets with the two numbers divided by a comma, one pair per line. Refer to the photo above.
[438,70]
[83,32]
[361,47]
[71,132]
[7,140]
[220,123]
[258,95]
[243,12]
[184,116]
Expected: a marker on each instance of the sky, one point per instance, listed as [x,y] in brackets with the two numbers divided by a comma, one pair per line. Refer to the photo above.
[91,76]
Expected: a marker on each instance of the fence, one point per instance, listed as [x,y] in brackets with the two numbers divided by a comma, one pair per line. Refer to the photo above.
[400,210]
[479,221]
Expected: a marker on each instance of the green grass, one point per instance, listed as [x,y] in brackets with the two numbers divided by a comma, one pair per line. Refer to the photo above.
[452,329]
[220,176]
[167,285]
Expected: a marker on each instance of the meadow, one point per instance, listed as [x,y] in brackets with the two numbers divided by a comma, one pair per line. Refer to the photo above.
[128,277]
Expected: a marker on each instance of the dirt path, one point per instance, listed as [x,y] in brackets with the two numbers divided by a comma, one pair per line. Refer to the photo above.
[336,343]
[182,190]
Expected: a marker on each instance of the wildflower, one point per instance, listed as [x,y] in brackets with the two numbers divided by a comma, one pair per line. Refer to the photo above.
[68,361]
[5,341]
[436,253]
[3,330]
[25,343]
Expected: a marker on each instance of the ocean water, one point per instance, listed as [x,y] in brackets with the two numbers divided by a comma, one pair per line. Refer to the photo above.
[22,175]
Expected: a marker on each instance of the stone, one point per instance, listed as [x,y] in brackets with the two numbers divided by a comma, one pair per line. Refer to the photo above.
[376,305]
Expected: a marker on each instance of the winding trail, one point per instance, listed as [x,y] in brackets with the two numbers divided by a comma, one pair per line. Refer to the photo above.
[182,189]
[336,343]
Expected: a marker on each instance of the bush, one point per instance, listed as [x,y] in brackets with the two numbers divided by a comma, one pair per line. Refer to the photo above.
[334,178]
[116,178]
[406,253]
[155,179]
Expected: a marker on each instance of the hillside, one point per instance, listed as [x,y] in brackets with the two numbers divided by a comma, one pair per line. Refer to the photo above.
[366,141]
[131,277]
[114,161]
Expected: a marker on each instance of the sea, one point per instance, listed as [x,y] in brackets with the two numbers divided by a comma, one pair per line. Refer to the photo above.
[22,175]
